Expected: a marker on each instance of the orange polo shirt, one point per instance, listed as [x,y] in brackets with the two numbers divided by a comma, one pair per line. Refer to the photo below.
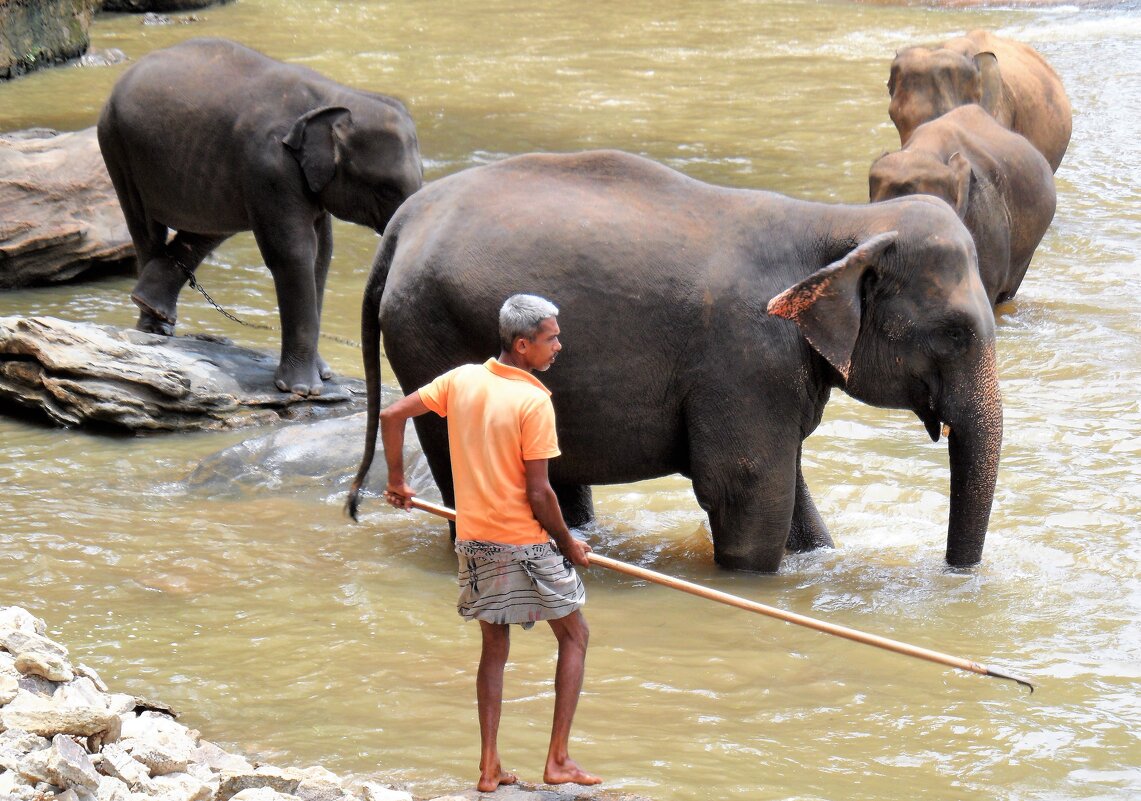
[497,417]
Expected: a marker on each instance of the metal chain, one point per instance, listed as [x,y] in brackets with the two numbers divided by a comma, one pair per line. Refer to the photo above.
[231,316]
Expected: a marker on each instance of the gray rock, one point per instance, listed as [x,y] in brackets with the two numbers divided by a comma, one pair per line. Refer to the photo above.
[69,765]
[61,215]
[321,456]
[265,777]
[105,376]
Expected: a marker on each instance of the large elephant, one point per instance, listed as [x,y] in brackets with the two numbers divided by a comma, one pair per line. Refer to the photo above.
[999,184]
[704,329]
[208,138]
[1009,79]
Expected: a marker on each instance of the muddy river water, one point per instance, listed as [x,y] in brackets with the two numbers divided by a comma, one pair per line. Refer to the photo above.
[284,630]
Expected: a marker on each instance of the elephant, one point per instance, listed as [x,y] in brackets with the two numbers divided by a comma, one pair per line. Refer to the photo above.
[1009,79]
[999,184]
[703,329]
[208,138]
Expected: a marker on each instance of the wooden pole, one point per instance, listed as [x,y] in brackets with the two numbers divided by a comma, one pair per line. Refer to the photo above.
[789,617]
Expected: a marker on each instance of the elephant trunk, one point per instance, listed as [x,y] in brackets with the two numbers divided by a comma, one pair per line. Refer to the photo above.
[974,444]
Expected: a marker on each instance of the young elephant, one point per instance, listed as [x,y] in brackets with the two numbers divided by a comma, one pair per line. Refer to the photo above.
[1007,78]
[703,331]
[208,138]
[997,182]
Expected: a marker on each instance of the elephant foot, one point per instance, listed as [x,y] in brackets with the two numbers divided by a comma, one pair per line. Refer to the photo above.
[299,381]
[153,320]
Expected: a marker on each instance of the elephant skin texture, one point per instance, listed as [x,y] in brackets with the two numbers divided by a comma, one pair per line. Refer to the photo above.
[208,138]
[999,184]
[703,330]
[1011,80]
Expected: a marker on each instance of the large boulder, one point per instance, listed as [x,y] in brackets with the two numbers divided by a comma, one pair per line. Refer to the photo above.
[61,216]
[82,374]
[46,32]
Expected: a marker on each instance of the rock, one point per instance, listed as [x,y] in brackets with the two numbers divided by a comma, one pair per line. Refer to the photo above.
[61,215]
[118,764]
[321,456]
[43,33]
[262,794]
[104,376]
[37,655]
[139,6]
[370,791]
[69,765]
[68,711]
[265,777]
[13,618]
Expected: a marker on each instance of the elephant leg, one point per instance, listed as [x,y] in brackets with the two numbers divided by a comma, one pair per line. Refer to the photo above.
[290,254]
[750,502]
[163,276]
[576,502]
[807,532]
[323,228]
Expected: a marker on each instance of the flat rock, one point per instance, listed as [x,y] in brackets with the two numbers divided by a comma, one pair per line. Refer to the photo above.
[101,376]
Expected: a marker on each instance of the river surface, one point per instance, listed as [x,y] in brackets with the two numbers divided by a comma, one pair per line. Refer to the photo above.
[283,630]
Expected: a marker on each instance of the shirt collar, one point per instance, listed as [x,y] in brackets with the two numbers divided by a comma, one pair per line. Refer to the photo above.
[513,373]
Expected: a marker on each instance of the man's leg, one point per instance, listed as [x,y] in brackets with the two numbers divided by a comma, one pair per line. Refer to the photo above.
[489,699]
[573,634]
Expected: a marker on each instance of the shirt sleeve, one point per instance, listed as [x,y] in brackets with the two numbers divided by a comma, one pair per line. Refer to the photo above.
[539,439]
[435,394]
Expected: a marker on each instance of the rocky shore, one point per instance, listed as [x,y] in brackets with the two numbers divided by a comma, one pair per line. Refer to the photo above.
[64,735]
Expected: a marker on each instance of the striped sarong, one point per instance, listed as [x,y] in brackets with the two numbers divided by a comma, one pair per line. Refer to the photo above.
[516,583]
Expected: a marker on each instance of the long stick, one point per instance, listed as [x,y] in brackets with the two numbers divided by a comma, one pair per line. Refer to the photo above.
[789,617]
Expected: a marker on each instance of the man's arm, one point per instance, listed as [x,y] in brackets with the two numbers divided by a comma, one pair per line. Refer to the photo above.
[545,507]
[392,424]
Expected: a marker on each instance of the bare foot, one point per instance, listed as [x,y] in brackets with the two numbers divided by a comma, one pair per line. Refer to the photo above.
[492,779]
[568,772]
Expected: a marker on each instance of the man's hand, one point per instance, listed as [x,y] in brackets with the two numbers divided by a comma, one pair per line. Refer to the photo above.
[576,550]
[399,495]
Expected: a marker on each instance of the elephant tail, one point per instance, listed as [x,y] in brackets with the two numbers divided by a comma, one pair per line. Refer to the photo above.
[370,353]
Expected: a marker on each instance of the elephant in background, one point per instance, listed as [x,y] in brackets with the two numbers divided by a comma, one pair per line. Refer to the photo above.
[704,329]
[208,138]
[999,184]
[1009,79]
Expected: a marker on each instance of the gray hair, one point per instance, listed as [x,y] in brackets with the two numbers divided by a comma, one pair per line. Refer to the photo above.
[522,316]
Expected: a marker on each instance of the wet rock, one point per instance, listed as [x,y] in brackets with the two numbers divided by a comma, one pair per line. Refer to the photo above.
[61,215]
[320,457]
[82,374]
[43,33]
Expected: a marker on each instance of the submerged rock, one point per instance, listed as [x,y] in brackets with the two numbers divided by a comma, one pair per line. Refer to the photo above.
[82,374]
[320,457]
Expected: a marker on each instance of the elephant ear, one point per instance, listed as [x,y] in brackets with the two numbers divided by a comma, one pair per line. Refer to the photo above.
[990,81]
[311,141]
[826,305]
[962,173]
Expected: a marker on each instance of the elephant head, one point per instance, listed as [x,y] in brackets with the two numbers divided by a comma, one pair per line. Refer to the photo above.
[908,172]
[361,164]
[905,321]
[926,83]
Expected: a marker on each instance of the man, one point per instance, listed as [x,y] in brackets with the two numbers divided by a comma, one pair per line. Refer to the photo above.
[501,432]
